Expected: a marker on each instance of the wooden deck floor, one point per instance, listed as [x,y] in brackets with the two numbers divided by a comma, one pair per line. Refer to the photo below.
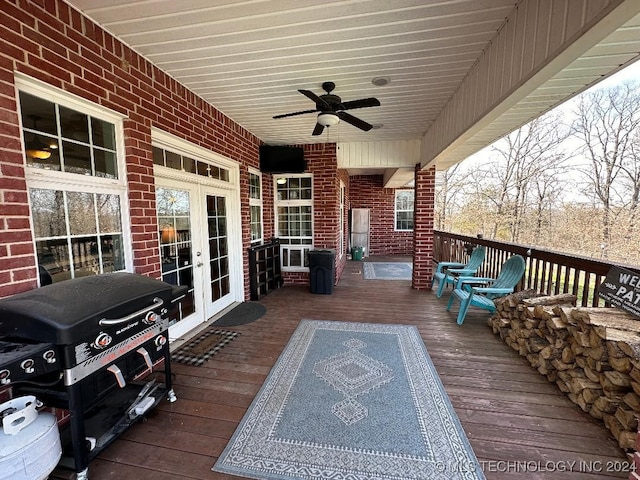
[520,425]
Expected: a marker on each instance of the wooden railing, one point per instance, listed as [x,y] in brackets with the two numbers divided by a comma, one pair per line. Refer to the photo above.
[547,272]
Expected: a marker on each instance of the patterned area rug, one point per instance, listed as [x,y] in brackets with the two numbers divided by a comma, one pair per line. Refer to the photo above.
[202,347]
[387,271]
[351,401]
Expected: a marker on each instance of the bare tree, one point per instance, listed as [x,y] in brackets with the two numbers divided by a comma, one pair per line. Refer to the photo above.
[525,156]
[631,169]
[607,120]
[452,185]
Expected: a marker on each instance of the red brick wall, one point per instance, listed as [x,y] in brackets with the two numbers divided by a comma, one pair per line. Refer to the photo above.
[51,42]
[366,191]
[425,181]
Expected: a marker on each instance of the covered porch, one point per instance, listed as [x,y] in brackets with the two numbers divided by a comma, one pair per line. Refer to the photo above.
[519,425]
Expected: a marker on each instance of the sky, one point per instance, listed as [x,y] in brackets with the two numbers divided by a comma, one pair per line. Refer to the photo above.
[632,72]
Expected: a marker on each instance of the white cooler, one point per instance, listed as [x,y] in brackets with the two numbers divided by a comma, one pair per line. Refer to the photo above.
[29,441]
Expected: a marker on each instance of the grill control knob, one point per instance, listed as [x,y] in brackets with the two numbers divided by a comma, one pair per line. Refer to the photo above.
[4,377]
[103,340]
[27,365]
[151,318]
[160,340]
[49,356]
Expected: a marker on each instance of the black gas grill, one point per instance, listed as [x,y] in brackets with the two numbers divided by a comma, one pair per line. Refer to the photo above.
[80,345]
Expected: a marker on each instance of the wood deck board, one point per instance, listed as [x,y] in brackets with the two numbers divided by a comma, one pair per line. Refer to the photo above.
[509,411]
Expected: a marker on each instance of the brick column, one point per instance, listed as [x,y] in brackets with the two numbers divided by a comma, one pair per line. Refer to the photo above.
[423,227]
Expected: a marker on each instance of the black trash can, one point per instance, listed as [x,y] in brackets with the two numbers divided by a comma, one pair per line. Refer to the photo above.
[322,270]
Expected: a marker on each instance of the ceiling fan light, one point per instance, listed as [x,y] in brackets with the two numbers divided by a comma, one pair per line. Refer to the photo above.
[39,154]
[328,119]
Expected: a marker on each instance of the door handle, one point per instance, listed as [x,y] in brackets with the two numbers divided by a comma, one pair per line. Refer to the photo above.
[199,264]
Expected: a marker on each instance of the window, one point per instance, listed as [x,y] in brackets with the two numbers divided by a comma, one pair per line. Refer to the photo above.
[404,210]
[76,189]
[187,164]
[255,207]
[294,220]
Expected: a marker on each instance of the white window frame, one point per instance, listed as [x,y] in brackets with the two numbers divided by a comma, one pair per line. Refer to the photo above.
[299,202]
[396,210]
[37,178]
[256,202]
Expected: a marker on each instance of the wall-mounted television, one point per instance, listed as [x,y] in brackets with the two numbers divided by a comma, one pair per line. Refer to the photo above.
[282,159]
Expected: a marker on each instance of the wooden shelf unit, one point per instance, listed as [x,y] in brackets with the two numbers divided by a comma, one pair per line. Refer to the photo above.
[265,269]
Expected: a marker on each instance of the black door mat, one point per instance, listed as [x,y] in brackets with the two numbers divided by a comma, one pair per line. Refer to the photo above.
[244,313]
[202,347]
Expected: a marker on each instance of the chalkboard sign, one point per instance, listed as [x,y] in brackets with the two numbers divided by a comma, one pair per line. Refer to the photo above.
[621,288]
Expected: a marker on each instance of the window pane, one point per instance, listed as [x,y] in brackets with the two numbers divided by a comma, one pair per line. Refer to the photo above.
[105,163]
[77,158]
[47,212]
[189,165]
[158,156]
[38,114]
[53,210]
[103,134]
[108,213]
[41,151]
[53,257]
[112,253]
[173,160]
[74,125]
[82,217]
[254,186]
[85,256]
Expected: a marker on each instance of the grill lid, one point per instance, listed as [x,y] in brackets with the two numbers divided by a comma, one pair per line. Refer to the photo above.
[66,312]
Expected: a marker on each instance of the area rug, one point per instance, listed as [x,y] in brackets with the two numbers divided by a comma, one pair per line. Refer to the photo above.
[202,347]
[243,313]
[387,271]
[351,401]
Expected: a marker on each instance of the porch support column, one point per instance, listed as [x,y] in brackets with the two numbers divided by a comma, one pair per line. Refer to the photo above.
[425,182]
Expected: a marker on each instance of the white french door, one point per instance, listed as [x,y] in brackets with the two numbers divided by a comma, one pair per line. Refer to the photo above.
[199,240]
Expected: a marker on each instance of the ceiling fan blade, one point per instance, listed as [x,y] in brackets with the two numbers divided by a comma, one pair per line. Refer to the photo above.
[356,122]
[318,130]
[362,103]
[295,113]
[312,96]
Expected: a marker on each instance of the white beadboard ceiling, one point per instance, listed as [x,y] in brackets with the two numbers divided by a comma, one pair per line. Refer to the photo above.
[249,57]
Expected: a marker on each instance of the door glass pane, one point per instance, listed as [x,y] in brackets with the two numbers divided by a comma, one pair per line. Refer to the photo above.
[218,246]
[174,235]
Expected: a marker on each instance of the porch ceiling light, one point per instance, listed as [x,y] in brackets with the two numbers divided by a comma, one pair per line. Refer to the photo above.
[328,119]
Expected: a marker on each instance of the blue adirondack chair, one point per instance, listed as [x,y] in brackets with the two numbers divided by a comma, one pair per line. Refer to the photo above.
[482,291]
[448,272]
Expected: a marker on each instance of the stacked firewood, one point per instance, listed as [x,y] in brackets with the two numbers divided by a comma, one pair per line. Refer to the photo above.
[591,354]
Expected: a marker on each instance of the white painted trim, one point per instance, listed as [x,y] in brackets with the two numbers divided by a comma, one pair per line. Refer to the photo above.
[48,179]
[175,144]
